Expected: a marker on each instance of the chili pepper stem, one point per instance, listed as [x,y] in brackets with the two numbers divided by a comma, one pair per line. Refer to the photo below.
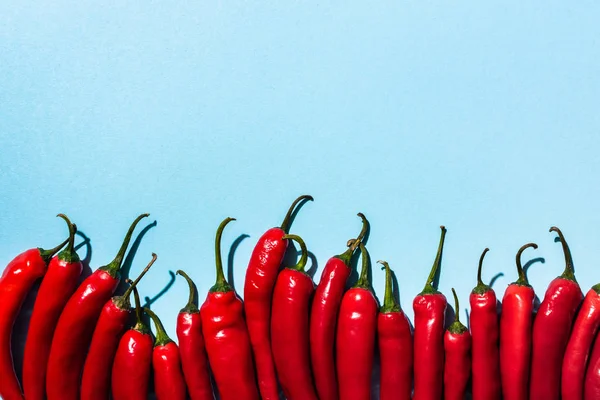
[221,284]
[68,254]
[300,266]
[48,254]
[456,327]
[285,225]
[429,288]
[162,338]
[523,281]
[569,272]
[191,307]
[115,265]
[389,301]
[363,280]
[123,301]
[481,287]
[139,326]
[354,243]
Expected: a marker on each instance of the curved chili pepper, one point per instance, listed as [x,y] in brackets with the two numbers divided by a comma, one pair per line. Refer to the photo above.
[226,336]
[395,346]
[261,276]
[191,347]
[515,334]
[289,328]
[355,339]
[133,361]
[15,284]
[483,321]
[430,309]
[552,328]
[592,375]
[457,348]
[76,325]
[323,318]
[58,285]
[111,325]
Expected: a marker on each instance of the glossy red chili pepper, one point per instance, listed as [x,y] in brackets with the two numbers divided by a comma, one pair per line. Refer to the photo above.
[552,329]
[485,340]
[289,328]
[133,361]
[457,365]
[58,285]
[111,325]
[355,339]
[395,346]
[430,310]
[226,336]
[15,284]
[191,347]
[261,276]
[76,325]
[592,375]
[515,334]
[323,318]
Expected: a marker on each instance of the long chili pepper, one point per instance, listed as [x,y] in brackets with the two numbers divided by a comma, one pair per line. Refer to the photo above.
[515,334]
[552,328]
[395,346]
[76,326]
[169,383]
[289,328]
[261,275]
[58,285]
[457,348]
[15,284]
[323,318]
[356,334]
[226,336]
[591,390]
[112,323]
[191,347]
[133,361]
[485,339]
[430,310]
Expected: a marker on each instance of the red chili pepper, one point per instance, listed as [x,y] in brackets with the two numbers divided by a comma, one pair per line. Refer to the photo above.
[552,329]
[76,325]
[15,284]
[133,361]
[111,325]
[515,334]
[191,346]
[592,375]
[323,318]
[289,328]
[58,285]
[430,310]
[486,383]
[226,336]
[355,340]
[261,276]
[395,346]
[457,347]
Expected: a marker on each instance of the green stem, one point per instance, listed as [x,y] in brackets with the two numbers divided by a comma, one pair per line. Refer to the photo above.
[363,280]
[354,243]
[115,265]
[191,306]
[221,284]
[285,225]
[68,254]
[140,326]
[456,307]
[162,339]
[123,301]
[456,327]
[304,257]
[389,301]
[481,287]
[569,272]
[522,276]
[429,288]
[48,254]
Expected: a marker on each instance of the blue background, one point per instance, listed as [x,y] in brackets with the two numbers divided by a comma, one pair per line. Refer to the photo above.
[481,117]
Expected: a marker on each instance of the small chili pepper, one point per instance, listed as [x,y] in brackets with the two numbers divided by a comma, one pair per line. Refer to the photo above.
[430,310]
[486,383]
[592,375]
[111,325]
[356,333]
[515,333]
[191,347]
[133,361]
[15,284]
[457,347]
[289,328]
[395,346]
[552,329]
[226,336]
[169,383]
[323,318]
[76,325]
[261,276]
[58,285]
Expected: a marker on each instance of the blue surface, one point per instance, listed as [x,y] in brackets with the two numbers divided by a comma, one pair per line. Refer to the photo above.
[481,117]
